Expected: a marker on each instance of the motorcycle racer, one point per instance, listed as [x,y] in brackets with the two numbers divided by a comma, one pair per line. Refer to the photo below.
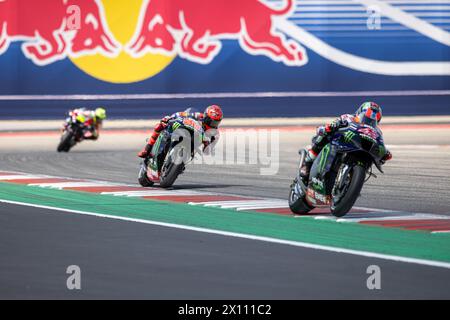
[210,119]
[369,113]
[91,119]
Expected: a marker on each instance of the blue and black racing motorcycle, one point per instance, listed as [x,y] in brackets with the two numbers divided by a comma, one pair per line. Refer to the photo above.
[339,172]
[176,146]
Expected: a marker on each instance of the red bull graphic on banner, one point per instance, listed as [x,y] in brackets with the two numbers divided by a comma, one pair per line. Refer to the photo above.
[52,30]
[45,30]
[150,53]
[78,28]
[179,27]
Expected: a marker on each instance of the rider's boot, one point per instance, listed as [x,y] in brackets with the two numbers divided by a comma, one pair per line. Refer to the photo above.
[307,164]
[146,152]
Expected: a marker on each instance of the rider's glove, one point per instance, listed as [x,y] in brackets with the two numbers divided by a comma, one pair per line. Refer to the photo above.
[343,123]
[166,119]
[387,157]
[329,128]
[321,131]
[335,125]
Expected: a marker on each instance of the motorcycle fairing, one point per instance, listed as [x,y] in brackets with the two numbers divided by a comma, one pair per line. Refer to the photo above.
[158,150]
[317,199]
[323,163]
[359,138]
[320,182]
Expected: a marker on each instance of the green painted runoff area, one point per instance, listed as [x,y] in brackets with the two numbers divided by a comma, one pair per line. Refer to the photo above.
[405,243]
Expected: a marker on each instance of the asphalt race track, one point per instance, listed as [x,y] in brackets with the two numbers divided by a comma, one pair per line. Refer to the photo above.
[130,260]
[416,180]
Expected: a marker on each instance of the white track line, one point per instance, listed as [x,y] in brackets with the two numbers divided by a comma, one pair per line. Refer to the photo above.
[374,210]
[367,254]
[239,202]
[407,218]
[153,193]
[255,206]
[242,206]
[61,185]
[22,177]
[263,207]
[389,214]
[255,203]
[360,217]
[391,218]
[327,217]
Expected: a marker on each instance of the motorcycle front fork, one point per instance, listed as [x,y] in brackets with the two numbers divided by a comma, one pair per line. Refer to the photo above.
[302,161]
[298,185]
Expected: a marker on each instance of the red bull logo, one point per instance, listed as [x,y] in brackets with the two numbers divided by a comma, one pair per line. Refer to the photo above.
[45,32]
[124,41]
[193,30]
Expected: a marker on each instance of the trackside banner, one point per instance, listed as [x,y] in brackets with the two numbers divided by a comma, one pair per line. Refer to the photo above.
[145,58]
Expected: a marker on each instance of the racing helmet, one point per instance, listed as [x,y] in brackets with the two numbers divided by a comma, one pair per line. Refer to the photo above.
[100,113]
[213,115]
[369,113]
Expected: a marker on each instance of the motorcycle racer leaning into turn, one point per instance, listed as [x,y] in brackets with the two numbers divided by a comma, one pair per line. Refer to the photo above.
[369,113]
[210,119]
[91,119]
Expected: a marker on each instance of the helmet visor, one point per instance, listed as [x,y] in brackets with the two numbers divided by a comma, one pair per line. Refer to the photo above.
[212,123]
[370,117]
[369,121]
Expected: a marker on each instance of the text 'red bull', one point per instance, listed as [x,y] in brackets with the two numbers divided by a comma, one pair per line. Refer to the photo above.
[43,28]
[193,30]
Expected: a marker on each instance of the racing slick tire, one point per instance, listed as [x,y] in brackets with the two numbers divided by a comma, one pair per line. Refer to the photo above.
[358,175]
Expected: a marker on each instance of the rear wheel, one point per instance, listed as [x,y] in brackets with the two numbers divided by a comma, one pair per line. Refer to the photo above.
[349,193]
[297,202]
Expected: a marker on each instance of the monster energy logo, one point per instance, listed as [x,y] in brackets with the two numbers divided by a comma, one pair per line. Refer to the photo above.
[176,125]
[318,185]
[324,157]
[158,143]
[154,163]
[348,136]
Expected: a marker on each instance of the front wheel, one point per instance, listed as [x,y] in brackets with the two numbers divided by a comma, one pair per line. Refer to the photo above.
[297,202]
[173,166]
[344,199]
[66,142]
